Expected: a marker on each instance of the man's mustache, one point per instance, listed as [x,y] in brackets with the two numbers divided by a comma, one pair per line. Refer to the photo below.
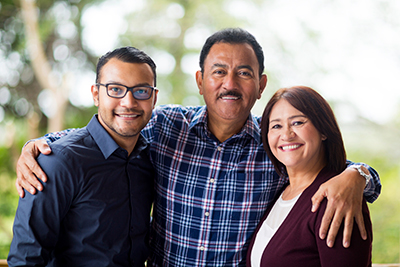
[230,93]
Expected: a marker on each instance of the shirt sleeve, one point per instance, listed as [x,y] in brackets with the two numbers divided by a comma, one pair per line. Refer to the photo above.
[373,189]
[359,252]
[54,136]
[38,218]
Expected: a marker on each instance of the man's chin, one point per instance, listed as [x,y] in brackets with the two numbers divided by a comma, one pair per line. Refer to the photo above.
[128,134]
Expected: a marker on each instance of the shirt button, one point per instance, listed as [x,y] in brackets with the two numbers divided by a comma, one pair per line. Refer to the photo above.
[219,148]
[212,180]
[207,214]
[202,248]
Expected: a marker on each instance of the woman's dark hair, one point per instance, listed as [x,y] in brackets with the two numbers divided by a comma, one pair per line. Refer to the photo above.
[233,36]
[318,111]
[126,54]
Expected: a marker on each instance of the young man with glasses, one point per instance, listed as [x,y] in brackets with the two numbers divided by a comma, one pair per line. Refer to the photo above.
[95,209]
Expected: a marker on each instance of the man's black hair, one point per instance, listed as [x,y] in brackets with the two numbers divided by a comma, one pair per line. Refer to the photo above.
[126,54]
[233,36]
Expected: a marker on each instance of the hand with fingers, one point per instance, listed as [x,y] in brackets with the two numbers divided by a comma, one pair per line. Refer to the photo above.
[28,170]
[344,193]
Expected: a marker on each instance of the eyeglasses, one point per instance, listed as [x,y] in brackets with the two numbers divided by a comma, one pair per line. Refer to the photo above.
[140,92]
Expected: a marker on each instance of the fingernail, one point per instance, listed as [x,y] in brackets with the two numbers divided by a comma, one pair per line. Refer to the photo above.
[330,244]
[32,191]
[346,244]
[312,208]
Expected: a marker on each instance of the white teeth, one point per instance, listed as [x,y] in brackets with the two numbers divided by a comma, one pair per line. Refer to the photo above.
[230,97]
[128,116]
[290,147]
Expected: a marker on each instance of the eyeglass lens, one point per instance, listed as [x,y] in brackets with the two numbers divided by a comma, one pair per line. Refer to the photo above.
[119,91]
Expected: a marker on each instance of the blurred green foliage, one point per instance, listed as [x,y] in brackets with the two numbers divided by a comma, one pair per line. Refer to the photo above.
[378,145]
[386,219]
[8,201]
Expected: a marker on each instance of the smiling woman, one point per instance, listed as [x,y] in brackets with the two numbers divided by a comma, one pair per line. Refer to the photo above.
[294,140]
[303,141]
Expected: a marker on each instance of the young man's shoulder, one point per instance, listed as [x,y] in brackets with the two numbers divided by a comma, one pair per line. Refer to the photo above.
[68,149]
[76,137]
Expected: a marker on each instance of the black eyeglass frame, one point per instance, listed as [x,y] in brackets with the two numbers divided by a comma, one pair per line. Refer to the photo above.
[128,89]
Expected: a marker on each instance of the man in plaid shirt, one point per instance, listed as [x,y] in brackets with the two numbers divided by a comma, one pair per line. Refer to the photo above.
[214,180]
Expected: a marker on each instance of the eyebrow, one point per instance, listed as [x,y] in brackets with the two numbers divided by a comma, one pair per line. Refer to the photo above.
[290,118]
[245,67]
[220,65]
[139,84]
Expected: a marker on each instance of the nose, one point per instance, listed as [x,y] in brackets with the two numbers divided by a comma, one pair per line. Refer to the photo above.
[128,100]
[287,133]
[229,81]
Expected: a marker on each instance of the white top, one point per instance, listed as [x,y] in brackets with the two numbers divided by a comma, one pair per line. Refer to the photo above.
[267,230]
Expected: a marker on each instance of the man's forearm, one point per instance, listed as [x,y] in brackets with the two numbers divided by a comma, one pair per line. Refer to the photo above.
[373,188]
[54,136]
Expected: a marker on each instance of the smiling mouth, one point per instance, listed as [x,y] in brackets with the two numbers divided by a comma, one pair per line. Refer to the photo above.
[232,95]
[128,116]
[289,147]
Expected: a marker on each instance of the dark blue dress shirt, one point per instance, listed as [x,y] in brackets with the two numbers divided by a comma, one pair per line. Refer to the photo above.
[94,209]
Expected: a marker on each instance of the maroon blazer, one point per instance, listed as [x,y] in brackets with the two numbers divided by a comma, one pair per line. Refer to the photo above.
[297,242]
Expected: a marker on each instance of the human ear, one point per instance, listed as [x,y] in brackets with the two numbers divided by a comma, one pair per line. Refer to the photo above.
[155,97]
[263,84]
[95,94]
[199,81]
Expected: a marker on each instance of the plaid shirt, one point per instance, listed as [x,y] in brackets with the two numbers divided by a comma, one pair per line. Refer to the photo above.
[210,196]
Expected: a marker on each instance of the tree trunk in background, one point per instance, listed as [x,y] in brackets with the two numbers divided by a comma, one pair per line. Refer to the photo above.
[41,65]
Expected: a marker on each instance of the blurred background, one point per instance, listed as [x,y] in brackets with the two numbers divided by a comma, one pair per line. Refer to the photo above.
[346,50]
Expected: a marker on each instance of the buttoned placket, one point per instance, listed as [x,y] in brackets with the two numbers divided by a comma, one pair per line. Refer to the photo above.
[209,201]
[127,158]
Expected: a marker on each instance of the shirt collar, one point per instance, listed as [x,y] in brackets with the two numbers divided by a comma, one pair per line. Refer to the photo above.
[251,127]
[106,143]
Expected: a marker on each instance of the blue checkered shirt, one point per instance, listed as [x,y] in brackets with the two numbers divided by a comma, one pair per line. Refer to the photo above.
[210,196]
